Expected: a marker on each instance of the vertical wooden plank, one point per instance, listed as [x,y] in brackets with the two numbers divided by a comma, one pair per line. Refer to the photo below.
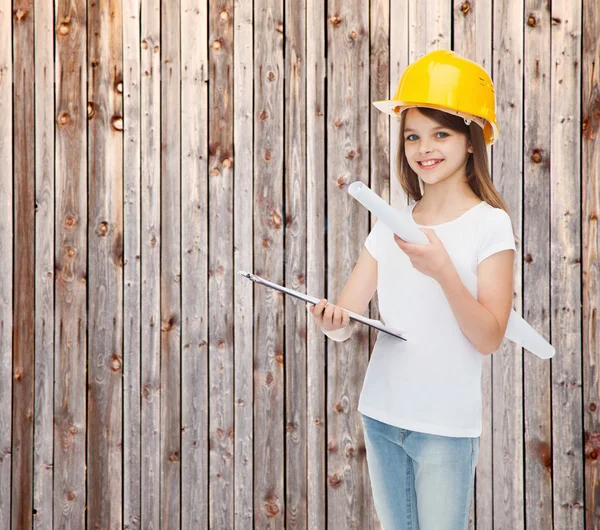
[43,447]
[194,165]
[379,170]
[507,362]
[295,263]
[24,255]
[315,259]
[472,38]
[536,252]
[347,161]
[268,163]
[220,264]
[565,265]
[6,263]
[132,250]
[71,265]
[399,49]
[170,277]
[269,500]
[429,27]
[243,125]
[105,277]
[590,200]
[151,328]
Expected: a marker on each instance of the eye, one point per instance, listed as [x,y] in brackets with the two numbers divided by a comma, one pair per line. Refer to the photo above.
[445,134]
[409,136]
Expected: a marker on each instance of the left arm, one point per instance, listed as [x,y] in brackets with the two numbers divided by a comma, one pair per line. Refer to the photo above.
[484,320]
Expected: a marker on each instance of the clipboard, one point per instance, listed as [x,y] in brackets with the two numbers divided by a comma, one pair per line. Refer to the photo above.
[377,324]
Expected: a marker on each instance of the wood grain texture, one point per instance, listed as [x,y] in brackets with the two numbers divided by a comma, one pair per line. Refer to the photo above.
[590,259]
[43,447]
[243,128]
[24,266]
[70,250]
[536,257]
[105,278]
[316,71]
[269,344]
[170,266]
[151,244]
[347,161]
[194,331]
[132,274]
[220,264]
[565,265]
[296,515]
[507,362]
[6,263]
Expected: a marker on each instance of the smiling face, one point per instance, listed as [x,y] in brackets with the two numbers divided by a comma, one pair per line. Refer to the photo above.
[434,152]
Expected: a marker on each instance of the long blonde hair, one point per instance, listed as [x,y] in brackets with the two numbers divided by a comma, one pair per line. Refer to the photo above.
[478,175]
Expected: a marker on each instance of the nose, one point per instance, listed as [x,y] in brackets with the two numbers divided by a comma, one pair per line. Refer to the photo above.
[424,147]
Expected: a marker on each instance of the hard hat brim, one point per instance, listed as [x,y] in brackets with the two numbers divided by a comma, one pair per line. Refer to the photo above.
[395,108]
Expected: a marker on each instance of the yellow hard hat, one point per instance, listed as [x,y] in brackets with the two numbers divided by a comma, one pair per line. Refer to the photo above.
[445,80]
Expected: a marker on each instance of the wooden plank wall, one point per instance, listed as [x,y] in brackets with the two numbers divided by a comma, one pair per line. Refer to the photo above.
[155,148]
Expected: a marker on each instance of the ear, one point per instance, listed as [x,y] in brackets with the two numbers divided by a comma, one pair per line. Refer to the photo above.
[470,148]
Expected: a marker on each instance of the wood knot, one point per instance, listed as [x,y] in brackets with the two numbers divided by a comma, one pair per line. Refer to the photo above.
[339,407]
[116,363]
[174,457]
[531,21]
[117,123]
[64,119]
[271,505]
[64,28]
[102,228]
[21,13]
[556,21]
[528,258]
[338,123]
[269,378]
[70,496]
[70,221]
[279,358]
[271,76]
[353,35]
[341,182]
[70,251]
[536,157]
[592,407]
[263,115]
[216,45]
[334,480]
[465,8]
[335,20]
[224,15]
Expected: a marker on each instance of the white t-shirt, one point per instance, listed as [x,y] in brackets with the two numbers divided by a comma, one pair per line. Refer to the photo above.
[432,382]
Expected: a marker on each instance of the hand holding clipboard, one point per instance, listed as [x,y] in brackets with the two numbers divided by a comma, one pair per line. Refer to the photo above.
[377,324]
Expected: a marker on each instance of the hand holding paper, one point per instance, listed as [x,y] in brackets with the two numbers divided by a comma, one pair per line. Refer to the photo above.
[518,330]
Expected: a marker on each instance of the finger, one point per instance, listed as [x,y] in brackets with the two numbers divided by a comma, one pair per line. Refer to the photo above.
[337,317]
[345,318]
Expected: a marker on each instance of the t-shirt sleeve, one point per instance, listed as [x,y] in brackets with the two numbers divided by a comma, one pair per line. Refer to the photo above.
[372,241]
[496,234]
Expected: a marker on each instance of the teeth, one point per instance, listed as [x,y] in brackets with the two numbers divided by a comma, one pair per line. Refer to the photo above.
[429,163]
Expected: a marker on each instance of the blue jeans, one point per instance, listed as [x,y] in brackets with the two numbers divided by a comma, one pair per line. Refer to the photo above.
[420,481]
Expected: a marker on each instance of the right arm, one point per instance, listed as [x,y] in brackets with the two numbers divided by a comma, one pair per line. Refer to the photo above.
[359,290]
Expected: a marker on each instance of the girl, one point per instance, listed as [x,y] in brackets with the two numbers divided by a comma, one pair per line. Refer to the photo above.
[421,399]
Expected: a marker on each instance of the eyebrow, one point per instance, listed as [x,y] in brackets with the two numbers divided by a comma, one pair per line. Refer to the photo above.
[438,127]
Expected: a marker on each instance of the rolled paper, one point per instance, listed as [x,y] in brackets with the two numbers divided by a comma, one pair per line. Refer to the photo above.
[402,224]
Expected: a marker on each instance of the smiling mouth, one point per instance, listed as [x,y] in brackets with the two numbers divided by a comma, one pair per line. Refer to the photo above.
[430,166]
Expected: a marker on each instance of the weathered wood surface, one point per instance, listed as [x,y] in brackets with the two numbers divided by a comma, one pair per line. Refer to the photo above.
[105,267]
[536,256]
[23,346]
[590,257]
[156,148]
